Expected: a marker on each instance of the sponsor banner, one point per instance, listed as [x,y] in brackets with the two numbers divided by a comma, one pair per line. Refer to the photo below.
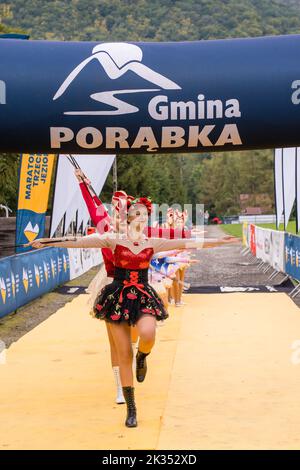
[34,187]
[82,259]
[263,244]
[252,239]
[245,234]
[292,255]
[249,236]
[8,301]
[289,182]
[259,242]
[27,276]
[96,97]
[277,250]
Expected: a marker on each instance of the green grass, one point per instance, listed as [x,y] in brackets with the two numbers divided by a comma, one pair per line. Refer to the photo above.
[237,229]
[291,228]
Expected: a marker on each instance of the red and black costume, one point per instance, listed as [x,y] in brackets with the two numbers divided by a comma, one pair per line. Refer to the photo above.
[130,295]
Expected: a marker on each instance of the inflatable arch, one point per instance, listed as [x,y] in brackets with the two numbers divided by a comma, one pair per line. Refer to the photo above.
[83,97]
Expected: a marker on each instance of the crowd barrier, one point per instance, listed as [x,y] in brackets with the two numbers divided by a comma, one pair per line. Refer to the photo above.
[25,277]
[279,249]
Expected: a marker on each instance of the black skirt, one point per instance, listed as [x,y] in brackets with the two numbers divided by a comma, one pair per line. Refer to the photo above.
[128,298]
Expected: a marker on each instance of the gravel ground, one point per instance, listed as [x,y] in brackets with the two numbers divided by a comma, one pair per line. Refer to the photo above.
[224,266]
[17,324]
[220,266]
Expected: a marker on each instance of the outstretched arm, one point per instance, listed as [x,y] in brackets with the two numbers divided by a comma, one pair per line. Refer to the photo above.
[96,208]
[90,241]
[164,244]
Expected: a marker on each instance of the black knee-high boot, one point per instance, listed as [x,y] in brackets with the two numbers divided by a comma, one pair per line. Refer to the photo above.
[141,366]
[128,393]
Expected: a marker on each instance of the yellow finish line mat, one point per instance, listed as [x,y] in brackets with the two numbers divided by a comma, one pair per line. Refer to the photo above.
[224,374]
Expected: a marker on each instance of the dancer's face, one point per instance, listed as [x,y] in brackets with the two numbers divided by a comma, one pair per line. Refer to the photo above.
[119,218]
[138,217]
[179,222]
[119,222]
[170,219]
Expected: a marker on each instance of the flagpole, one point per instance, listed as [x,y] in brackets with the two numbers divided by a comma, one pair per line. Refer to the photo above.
[53,194]
[115,175]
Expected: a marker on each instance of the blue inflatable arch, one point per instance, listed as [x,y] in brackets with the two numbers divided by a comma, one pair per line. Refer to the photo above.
[84,97]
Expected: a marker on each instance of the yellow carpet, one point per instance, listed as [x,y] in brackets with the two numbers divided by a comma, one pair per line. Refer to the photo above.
[220,376]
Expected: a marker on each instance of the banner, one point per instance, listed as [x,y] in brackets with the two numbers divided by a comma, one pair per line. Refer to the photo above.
[292,255]
[289,182]
[82,259]
[125,98]
[8,301]
[277,250]
[245,234]
[263,244]
[252,239]
[27,276]
[67,195]
[34,186]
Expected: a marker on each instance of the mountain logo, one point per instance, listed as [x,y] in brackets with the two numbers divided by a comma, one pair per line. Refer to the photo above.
[31,232]
[117,59]
[25,280]
[3,289]
[37,275]
[46,271]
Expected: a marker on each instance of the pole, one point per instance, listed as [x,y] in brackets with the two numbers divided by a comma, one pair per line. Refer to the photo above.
[115,175]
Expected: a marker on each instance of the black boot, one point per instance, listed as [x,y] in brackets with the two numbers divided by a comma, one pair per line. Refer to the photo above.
[128,393]
[141,366]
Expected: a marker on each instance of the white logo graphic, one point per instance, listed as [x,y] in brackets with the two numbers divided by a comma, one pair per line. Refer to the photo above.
[117,59]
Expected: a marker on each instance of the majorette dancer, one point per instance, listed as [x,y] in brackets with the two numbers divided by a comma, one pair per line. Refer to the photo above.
[129,299]
[104,223]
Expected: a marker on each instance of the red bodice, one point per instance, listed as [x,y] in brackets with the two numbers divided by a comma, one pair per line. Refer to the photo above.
[108,258]
[125,258]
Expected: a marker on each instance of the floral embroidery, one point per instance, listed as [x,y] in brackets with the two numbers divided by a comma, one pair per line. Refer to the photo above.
[148,310]
[131,295]
[116,316]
